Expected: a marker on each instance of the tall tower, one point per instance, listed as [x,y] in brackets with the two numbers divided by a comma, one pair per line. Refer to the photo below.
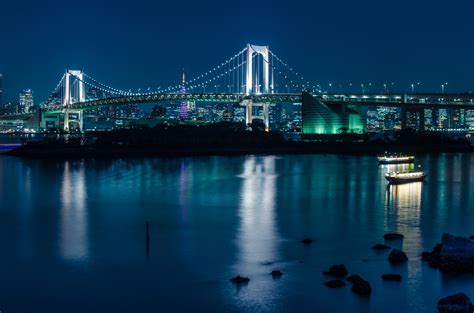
[183,109]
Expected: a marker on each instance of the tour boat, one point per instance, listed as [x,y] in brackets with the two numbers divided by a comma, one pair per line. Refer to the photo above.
[395,159]
[405,177]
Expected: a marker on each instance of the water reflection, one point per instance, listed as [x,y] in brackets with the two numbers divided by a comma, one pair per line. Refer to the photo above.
[257,233]
[403,215]
[405,199]
[183,191]
[73,216]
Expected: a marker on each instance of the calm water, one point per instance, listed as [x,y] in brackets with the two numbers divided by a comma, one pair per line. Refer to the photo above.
[72,233]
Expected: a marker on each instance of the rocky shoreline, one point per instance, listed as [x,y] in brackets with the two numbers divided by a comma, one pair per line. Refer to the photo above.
[453,255]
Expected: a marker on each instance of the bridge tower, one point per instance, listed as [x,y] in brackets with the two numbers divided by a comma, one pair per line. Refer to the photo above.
[252,84]
[77,94]
[74,79]
[251,72]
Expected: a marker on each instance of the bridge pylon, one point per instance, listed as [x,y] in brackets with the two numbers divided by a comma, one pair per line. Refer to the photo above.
[252,72]
[74,91]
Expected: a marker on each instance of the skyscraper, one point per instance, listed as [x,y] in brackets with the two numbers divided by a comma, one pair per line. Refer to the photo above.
[26,101]
[183,109]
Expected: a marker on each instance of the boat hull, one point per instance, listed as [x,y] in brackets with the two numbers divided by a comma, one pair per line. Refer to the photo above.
[394,160]
[397,161]
[398,180]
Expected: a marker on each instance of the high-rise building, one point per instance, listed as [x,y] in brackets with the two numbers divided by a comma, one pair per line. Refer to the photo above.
[183,109]
[26,101]
[10,108]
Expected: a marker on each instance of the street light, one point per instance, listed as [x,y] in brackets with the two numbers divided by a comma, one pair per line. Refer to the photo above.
[412,88]
[442,88]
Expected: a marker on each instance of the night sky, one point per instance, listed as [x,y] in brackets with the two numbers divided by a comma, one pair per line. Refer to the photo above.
[131,44]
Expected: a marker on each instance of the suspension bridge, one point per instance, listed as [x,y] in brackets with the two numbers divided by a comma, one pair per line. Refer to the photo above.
[255,78]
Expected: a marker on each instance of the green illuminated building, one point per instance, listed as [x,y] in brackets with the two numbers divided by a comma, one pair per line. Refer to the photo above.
[323,119]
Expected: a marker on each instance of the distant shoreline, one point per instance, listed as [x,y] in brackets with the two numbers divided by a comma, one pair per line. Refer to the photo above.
[226,139]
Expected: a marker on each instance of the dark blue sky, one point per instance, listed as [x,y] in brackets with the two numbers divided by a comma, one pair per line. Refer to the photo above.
[139,43]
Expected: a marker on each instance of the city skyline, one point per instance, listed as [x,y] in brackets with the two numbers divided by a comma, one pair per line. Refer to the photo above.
[367,42]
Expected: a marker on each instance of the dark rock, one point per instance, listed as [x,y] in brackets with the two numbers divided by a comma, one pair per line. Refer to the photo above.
[471,237]
[458,247]
[240,280]
[354,278]
[276,273]
[362,287]
[395,277]
[338,270]
[397,256]
[457,303]
[335,283]
[380,246]
[425,256]
[393,236]
[307,241]
[452,255]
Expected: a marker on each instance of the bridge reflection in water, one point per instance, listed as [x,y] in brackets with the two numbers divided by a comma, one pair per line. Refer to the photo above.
[257,237]
[73,216]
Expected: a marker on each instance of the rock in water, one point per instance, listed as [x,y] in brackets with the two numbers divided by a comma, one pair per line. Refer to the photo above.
[454,254]
[458,247]
[276,274]
[457,303]
[397,256]
[307,241]
[393,236]
[395,277]
[354,278]
[338,270]
[380,246]
[240,280]
[336,283]
[362,287]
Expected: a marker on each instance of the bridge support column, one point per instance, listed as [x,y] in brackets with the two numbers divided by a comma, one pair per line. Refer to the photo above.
[403,117]
[266,118]
[248,112]
[66,121]
[434,118]
[421,121]
[67,89]
[81,120]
